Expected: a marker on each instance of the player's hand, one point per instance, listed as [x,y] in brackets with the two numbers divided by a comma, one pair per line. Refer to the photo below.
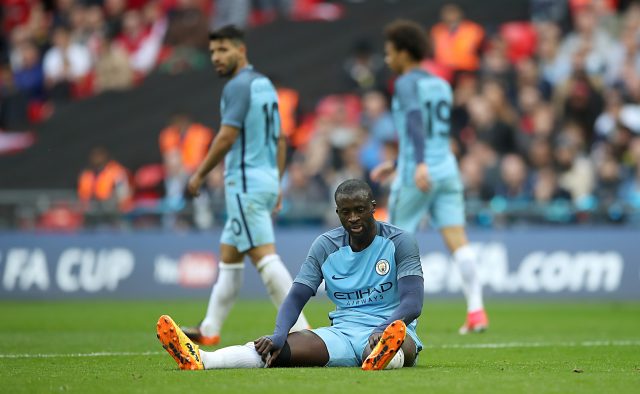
[422,178]
[266,349]
[382,172]
[374,339]
[194,185]
[278,206]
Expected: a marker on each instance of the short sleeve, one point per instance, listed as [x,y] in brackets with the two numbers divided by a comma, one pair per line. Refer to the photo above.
[311,272]
[407,255]
[236,98]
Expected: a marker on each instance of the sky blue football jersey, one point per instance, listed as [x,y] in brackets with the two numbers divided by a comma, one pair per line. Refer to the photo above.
[432,96]
[250,103]
[363,285]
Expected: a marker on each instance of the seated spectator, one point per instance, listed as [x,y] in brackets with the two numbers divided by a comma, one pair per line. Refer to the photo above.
[575,171]
[623,61]
[496,64]
[495,91]
[540,154]
[112,70]
[473,178]
[609,179]
[29,77]
[605,123]
[630,188]
[65,63]
[528,73]
[589,38]
[579,101]
[554,69]
[514,185]
[546,188]
[485,126]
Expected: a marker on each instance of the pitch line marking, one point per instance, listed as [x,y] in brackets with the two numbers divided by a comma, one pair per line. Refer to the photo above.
[505,345]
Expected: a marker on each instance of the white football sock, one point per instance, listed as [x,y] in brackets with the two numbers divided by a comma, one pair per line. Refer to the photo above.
[239,356]
[397,361]
[467,261]
[223,295]
[277,280]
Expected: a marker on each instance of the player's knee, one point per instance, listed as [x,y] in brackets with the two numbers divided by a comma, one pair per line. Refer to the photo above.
[284,358]
[410,351]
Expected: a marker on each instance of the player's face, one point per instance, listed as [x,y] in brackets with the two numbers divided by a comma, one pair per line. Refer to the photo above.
[225,56]
[356,215]
[392,57]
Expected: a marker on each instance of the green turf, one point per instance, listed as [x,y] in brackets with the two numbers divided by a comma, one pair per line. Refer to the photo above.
[544,351]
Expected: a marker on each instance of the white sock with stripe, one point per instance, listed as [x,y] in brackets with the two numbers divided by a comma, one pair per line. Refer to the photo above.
[277,280]
[223,295]
[467,262]
[240,356]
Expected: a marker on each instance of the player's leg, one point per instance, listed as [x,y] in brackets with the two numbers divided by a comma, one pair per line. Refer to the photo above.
[407,206]
[223,294]
[190,357]
[466,260]
[303,349]
[233,242]
[447,213]
[262,251]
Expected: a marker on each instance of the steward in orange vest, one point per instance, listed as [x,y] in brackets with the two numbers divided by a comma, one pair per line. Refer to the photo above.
[192,140]
[457,42]
[104,180]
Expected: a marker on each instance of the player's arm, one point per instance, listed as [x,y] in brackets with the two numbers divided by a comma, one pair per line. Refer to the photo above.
[269,346]
[282,154]
[236,97]
[406,93]
[410,280]
[281,157]
[222,143]
[304,286]
[411,293]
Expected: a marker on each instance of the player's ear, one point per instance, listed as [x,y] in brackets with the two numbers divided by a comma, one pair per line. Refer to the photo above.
[373,206]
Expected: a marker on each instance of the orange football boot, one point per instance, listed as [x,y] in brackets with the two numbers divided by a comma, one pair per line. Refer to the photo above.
[178,345]
[390,342]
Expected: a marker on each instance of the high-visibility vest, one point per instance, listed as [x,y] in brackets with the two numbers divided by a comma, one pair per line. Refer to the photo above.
[458,49]
[101,185]
[288,100]
[193,145]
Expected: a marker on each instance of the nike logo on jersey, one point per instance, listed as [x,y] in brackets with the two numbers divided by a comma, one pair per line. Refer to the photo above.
[337,277]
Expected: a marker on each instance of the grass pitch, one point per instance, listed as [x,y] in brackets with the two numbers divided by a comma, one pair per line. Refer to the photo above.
[99,346]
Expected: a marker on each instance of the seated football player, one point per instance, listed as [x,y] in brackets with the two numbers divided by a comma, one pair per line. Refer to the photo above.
[373,275]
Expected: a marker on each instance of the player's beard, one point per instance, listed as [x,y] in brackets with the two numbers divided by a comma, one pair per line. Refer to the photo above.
[229,70]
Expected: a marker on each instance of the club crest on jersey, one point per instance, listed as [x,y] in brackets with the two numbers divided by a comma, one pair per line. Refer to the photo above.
[382,267]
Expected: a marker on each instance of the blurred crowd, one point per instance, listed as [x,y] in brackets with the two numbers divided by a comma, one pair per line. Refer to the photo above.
[545,123]
[52,51]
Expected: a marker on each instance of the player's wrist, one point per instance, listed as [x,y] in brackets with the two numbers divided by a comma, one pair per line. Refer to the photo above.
[277,340]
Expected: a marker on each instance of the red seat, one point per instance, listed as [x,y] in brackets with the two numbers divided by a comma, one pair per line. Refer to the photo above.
[520,38]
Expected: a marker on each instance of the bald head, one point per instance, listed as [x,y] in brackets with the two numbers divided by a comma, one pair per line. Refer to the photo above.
[353,188]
